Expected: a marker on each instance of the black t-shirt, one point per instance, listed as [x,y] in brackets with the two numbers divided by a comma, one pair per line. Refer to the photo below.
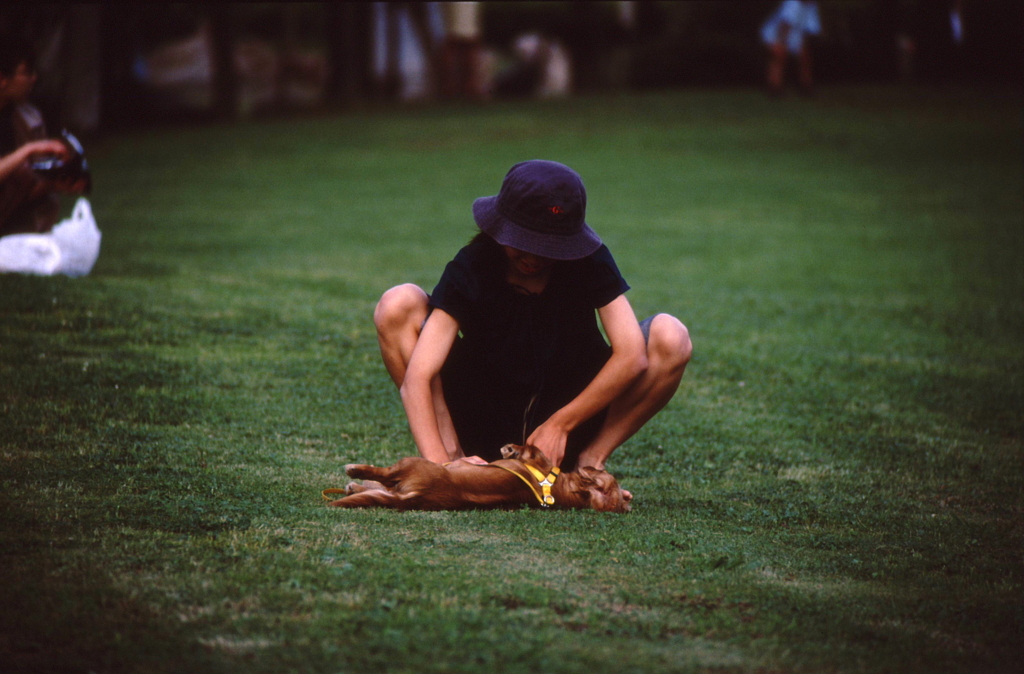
[525,338]
[520,356]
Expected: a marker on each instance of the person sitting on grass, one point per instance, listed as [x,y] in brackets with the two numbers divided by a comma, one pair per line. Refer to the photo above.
[507,348]
[28,202]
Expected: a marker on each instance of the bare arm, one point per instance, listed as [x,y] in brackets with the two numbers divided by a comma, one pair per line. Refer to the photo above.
[627,362]
[432,348]
[15,159]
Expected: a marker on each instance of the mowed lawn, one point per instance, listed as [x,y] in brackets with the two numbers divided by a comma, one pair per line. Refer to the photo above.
[837,487]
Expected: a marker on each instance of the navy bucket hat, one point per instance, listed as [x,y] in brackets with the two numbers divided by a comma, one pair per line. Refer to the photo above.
[540,209]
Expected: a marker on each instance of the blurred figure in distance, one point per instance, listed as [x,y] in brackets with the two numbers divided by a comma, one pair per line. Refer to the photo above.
[461,52]
[785,34]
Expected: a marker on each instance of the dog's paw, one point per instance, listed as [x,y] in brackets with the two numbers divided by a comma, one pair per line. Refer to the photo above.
[357,470]
[367,485]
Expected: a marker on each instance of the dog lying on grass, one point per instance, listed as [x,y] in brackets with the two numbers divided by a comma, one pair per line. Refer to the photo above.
[524,476]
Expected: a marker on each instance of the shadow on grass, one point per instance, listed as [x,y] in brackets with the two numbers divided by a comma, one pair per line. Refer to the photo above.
[63,611]
[96,444]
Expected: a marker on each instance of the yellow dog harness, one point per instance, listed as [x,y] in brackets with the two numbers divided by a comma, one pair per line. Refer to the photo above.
[545,481]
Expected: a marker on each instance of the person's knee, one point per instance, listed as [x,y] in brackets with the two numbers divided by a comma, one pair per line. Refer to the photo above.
[669,347]
[399,305]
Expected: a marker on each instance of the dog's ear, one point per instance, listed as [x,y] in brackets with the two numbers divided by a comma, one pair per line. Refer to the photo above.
[603,490]
[590,478]
[583,485]
[587,475]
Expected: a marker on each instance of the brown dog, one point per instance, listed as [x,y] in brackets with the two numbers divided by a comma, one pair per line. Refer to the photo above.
[417,484]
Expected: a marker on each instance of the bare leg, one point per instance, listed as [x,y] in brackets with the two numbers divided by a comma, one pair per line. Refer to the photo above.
[668,352]
[776,67]
[399,318]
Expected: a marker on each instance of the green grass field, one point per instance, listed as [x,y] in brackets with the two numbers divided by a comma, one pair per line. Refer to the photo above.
[837,487]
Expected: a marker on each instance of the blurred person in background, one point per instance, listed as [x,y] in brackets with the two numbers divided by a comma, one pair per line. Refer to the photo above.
[461,51]
[405,31]
[785,34]
[541,68]
[28,203]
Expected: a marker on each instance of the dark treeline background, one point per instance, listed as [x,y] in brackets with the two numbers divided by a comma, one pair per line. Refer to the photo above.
[90,54]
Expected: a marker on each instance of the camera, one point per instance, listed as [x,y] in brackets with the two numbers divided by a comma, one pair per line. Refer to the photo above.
[72,172]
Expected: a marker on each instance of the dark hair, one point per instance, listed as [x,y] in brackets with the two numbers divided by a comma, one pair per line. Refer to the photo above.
[13,52]
[484,238]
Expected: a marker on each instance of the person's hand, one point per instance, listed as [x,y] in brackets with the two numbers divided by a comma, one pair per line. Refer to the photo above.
[551,440]
[44,147]
[474,460]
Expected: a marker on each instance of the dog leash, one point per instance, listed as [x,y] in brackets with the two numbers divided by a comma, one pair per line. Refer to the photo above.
[325,493]
[545,482]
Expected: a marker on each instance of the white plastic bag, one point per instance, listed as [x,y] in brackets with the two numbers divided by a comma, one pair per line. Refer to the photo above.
[29,254]
[71,248]
[79,241]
